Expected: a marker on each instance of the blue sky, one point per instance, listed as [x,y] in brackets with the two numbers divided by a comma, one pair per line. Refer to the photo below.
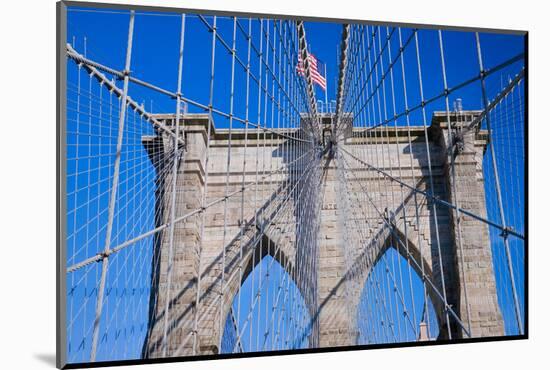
[154,59]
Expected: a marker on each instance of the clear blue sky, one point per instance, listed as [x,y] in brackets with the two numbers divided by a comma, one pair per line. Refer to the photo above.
[154,59]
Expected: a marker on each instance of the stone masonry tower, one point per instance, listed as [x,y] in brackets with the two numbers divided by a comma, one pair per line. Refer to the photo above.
[213,243]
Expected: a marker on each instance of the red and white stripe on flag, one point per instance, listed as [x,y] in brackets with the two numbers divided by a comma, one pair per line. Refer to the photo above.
[315,75]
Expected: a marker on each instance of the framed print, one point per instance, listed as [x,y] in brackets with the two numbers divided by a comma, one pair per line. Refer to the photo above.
[237,184]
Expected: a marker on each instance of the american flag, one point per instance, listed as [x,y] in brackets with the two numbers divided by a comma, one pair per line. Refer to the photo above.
[315,75]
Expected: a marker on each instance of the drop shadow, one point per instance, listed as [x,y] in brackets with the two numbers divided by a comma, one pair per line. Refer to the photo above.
[46,358]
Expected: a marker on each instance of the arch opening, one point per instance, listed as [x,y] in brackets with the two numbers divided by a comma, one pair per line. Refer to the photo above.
[394,305]
[267,313]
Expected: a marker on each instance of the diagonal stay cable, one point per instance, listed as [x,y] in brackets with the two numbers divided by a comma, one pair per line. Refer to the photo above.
[341,76]
[437,200]
[71,53]
[364,238]
[130,242]
[450,90]
[496,100]
[94,69]
[304,55]
[439,295]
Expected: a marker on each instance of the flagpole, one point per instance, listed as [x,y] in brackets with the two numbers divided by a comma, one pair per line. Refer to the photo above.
[326,89]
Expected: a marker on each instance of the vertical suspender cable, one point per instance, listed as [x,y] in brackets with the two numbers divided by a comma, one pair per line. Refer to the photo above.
[453,181]
[519,320]
[175,166]
[114,188]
